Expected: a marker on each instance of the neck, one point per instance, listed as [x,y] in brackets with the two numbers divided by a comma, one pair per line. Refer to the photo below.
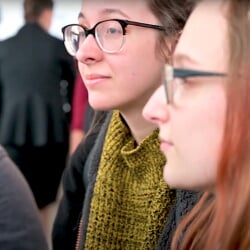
[139,127]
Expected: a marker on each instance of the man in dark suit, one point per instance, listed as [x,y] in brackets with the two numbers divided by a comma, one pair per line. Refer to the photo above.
[35,74]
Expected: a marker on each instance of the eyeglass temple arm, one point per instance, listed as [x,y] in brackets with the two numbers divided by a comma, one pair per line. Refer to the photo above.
[183,73]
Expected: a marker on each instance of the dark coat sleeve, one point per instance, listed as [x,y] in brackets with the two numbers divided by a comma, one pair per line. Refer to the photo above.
[69,213]
[20,225]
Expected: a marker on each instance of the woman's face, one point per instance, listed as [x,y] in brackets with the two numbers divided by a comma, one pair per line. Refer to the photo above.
[126,79]
[191,127]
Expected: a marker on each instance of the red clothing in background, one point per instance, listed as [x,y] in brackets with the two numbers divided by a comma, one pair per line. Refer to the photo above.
[79,104]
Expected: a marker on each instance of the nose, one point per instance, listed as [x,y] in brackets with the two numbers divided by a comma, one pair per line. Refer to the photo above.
[89,51]
[156,109]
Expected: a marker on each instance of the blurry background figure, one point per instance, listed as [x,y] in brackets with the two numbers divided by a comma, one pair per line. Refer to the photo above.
[82,114]
[21,226]
[36,81]
[64,12]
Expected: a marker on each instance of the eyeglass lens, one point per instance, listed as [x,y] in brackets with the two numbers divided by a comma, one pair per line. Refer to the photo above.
[108,34]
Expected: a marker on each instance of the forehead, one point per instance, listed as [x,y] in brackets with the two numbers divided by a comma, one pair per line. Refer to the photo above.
[204,38]
[130,9]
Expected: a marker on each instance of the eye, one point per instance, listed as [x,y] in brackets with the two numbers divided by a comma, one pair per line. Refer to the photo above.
[181,80]
[112,30]
[182,83]
[187,80]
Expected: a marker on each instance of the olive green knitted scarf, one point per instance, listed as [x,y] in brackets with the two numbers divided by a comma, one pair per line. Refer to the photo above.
[131,200]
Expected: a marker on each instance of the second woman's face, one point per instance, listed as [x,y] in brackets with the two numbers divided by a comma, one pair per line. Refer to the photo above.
[191,128]
[126,79]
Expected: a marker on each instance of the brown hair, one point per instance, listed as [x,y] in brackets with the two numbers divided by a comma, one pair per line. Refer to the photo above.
[34,8]
[173,15]
[222,220]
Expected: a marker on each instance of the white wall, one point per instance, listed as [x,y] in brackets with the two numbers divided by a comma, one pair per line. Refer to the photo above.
[11,13]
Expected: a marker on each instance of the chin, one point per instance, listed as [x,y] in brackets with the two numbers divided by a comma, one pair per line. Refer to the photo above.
[172,182]
[97,105]
[177,180]
[186,184]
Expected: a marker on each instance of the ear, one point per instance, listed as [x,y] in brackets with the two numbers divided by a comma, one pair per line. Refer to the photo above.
[48,15]
[46,18]
[175,41]
[171,43]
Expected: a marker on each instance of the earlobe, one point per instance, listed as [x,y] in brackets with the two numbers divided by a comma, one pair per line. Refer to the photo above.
[175,40]
[48,17]
[170,46]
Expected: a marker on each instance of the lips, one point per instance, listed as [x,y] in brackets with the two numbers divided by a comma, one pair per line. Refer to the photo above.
[94,79]
[94,76]
[165,145]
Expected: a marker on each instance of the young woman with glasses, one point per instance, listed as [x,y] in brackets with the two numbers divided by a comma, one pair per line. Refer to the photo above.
[112,198]
[202,111]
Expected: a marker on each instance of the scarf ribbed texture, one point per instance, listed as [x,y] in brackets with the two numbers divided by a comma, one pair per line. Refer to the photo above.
[131,200]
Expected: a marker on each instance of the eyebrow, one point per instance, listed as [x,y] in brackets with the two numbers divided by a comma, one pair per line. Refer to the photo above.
[107,12]
[180,58]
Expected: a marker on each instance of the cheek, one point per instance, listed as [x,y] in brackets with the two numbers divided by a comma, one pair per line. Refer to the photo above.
[209,124]
[214,120]
[202,118]
[197,134]
[141,61]
[124,67]
[138,73]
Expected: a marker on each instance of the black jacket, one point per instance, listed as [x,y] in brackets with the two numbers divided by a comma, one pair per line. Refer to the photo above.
[34,69]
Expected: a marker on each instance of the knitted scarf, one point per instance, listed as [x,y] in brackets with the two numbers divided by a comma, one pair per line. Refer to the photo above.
[130,201]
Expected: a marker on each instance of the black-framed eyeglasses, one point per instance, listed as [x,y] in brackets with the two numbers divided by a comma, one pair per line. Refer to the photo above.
[172,73]
[109,34]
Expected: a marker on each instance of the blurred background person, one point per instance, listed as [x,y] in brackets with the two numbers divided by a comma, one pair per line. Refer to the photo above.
[20,228]
[36,81]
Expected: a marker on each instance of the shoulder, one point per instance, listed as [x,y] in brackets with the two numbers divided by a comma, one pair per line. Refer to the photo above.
[7,168]
[185,201]
[93,139]
[95,135]
[12,182]
[8,42]
[19,215]
[13,187]
[55,40]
